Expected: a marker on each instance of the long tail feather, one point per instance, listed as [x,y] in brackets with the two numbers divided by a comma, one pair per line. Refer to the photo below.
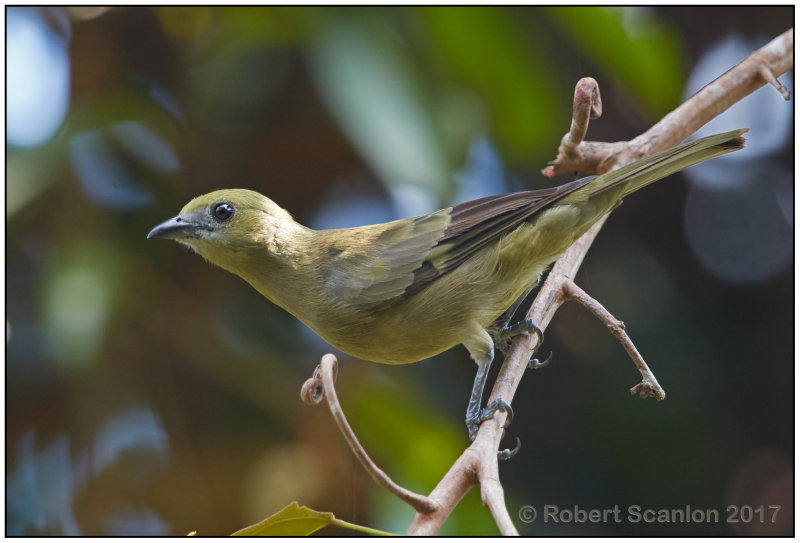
[634,176]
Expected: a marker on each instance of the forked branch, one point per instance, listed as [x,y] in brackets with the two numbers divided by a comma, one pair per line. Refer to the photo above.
[478,463]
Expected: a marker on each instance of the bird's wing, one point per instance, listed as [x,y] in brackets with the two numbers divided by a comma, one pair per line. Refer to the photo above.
[378,262]
[399,259]
[477,223]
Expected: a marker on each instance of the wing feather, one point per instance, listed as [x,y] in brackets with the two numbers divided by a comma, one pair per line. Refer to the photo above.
[477,223]
[399,259]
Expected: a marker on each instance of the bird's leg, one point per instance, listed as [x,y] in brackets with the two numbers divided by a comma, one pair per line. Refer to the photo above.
[481,348]
[501,339]
[476,415]
[474,405]
[504,332]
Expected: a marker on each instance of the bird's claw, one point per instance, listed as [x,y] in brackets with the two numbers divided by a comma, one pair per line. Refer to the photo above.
[487,412]
[498,405]
[535,364]
[525,326]
[474,422]
[506,454]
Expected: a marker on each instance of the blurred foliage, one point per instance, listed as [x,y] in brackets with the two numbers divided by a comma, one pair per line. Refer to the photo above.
[148,393]
[642,53]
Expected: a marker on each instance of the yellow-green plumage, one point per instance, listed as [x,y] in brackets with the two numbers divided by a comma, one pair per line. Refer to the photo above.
[403,291]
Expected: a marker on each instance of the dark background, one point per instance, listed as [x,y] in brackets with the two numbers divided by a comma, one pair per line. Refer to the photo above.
[148,392]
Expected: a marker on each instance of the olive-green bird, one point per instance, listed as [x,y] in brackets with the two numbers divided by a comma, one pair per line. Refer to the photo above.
[403,291]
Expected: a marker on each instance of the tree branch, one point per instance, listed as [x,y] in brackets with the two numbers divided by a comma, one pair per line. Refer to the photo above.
[776,57]
[649,387]
[478,464]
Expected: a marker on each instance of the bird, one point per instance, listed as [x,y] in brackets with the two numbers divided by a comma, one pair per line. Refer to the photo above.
[403,291]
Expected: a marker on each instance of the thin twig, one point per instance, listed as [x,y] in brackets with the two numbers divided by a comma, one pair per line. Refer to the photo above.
[320,385]
[649,386]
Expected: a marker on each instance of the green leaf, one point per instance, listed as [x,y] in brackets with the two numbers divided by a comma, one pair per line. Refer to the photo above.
[295,520]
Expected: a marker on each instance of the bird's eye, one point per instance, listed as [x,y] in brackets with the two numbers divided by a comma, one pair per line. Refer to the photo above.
[223,211]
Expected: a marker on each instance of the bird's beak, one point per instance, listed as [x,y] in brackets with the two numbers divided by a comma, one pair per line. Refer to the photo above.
[175,228]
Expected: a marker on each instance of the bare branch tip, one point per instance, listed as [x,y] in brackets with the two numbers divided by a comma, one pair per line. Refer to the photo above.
[586,105]
[312,390]
[649,390]
[770,78]
[587,93]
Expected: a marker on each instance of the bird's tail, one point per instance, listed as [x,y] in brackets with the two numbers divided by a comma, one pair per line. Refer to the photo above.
[648,170]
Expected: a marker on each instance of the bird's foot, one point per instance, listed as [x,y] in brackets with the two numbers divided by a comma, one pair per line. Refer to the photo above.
[525,326]
[498,405]
[488,412]
[474,421]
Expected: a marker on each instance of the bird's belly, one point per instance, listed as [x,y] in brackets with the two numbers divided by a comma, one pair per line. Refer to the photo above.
[389,340]
[441,316]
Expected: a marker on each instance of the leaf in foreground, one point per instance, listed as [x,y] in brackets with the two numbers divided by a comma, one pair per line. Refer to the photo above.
[300,520]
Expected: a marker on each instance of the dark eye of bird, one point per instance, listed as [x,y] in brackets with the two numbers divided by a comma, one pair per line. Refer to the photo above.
[223,211]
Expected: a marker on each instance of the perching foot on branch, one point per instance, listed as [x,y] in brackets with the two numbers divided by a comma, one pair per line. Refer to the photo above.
[474,420]
[527,326]
[498,405]
[504,407]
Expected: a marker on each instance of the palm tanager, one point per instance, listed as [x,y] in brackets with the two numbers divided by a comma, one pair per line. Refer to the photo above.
[403,291]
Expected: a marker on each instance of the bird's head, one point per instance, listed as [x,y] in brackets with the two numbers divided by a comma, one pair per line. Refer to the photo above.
[223,224]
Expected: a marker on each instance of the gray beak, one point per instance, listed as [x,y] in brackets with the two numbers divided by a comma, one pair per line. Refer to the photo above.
[175,228]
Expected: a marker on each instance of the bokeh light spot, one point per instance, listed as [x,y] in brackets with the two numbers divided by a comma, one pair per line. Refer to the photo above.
[37,84]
